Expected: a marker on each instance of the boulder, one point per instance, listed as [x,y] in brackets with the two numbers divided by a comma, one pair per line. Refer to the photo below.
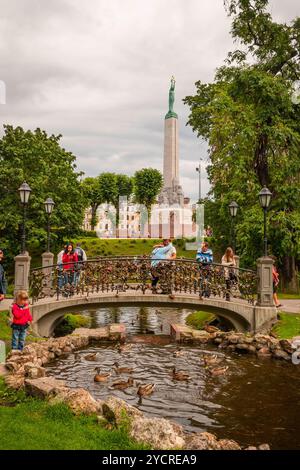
[208,441]
[43,387]
[34,371]
[15,381]
[159,433]
[116,410]
[264,352]
[264,447]
[280,354]
[286,345]
[79,400]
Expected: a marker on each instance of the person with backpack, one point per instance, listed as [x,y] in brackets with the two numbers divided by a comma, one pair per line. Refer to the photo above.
[82,257]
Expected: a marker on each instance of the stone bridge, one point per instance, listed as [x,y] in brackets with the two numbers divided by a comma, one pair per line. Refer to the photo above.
[243,316]
[241,296]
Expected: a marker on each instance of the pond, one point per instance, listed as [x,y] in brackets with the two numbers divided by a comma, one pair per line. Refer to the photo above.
[255,401]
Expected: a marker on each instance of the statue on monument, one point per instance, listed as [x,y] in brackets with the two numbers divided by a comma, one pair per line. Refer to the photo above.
[172,95]
[171,112]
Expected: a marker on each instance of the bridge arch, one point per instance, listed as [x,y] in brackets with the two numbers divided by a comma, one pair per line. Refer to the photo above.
[47,314]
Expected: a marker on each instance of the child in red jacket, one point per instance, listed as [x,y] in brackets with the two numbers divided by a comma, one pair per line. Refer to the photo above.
[21,320]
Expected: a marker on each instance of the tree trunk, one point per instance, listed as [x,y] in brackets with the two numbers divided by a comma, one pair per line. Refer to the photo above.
[290,281]
[261,160]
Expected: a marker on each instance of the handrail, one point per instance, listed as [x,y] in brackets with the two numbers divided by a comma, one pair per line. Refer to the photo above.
[138,258]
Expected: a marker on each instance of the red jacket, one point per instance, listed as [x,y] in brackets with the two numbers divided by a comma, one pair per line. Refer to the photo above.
[21,316]
[69,258]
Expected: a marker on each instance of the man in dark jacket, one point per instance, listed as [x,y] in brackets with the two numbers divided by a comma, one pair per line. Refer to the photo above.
[3,283]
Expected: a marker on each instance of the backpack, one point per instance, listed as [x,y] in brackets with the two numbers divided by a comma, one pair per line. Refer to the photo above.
[79,252]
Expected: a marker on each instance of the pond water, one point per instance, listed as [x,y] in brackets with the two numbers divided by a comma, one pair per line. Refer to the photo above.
[256,401]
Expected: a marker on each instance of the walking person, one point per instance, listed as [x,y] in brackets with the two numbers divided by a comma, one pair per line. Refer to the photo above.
[230,276]
[21,320]
[204,257]
[3,282]
[275,275]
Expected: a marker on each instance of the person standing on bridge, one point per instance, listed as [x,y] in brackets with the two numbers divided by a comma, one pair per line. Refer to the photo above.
[21,320]
[230,276]
[82,258]
[164,251]
[3,283]
[70,267]
[204,257]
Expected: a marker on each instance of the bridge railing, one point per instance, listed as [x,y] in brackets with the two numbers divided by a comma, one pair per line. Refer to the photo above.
[131,273]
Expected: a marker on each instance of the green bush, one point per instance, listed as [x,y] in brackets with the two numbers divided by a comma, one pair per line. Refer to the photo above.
[198,320]
[70,323]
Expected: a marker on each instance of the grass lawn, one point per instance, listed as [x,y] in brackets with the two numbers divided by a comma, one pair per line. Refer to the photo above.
[5,331]
[289,296]
[197,320]
[31,424]
[288,326]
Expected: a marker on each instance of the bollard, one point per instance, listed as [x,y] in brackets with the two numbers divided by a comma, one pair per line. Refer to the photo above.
[2,352]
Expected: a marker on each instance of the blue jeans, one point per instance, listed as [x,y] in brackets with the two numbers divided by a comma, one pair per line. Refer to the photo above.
[18,337]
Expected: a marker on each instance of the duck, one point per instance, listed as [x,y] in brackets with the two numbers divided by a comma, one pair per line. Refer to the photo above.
[123,385]
[181,376]
[218,371]
[101,377]
[122,370]
[91,357]
[145,390]
[209,359]
[179,352]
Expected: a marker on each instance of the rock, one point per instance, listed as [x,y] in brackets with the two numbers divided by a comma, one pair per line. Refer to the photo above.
[43,387]
[227,444]
[280,354]
[251,349]
[157,432]
[15,381]
[264,447]
[233,339]
[286,345]
[208,441]
[251,448]
[34,371]
[264,352]
[218,340]
[79,400]
[114,410]
[242,347]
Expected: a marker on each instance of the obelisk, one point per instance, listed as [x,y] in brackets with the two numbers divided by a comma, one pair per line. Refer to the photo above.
[172,191]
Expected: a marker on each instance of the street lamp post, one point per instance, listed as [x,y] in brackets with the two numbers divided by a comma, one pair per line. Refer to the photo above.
[49,205]
[24,192]
[265,196]
[233,209]
[198,169]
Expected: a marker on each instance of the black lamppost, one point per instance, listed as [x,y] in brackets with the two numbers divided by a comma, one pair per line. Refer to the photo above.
[264,199]
[24,192]
[233,209]
[49,205]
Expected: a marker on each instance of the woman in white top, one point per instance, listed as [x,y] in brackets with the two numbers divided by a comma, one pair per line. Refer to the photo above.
[229,261]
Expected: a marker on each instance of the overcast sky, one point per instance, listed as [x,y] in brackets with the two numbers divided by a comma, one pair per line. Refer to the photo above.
[98,72]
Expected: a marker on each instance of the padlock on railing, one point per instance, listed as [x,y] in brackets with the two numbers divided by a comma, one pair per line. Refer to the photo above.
[2,352]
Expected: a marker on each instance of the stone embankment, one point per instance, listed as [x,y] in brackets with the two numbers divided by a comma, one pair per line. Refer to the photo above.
[26,370]
[259,344]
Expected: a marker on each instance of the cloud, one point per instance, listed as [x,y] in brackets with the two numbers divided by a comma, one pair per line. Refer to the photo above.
[98,72]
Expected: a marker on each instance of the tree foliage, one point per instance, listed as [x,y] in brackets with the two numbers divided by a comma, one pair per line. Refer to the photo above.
[50,171]
[147,185]
[251,122]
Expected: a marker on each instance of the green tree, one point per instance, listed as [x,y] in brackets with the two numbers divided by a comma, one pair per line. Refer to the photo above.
[112,188]
[50,171]
[147,185]
[92,194]
[251,122]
